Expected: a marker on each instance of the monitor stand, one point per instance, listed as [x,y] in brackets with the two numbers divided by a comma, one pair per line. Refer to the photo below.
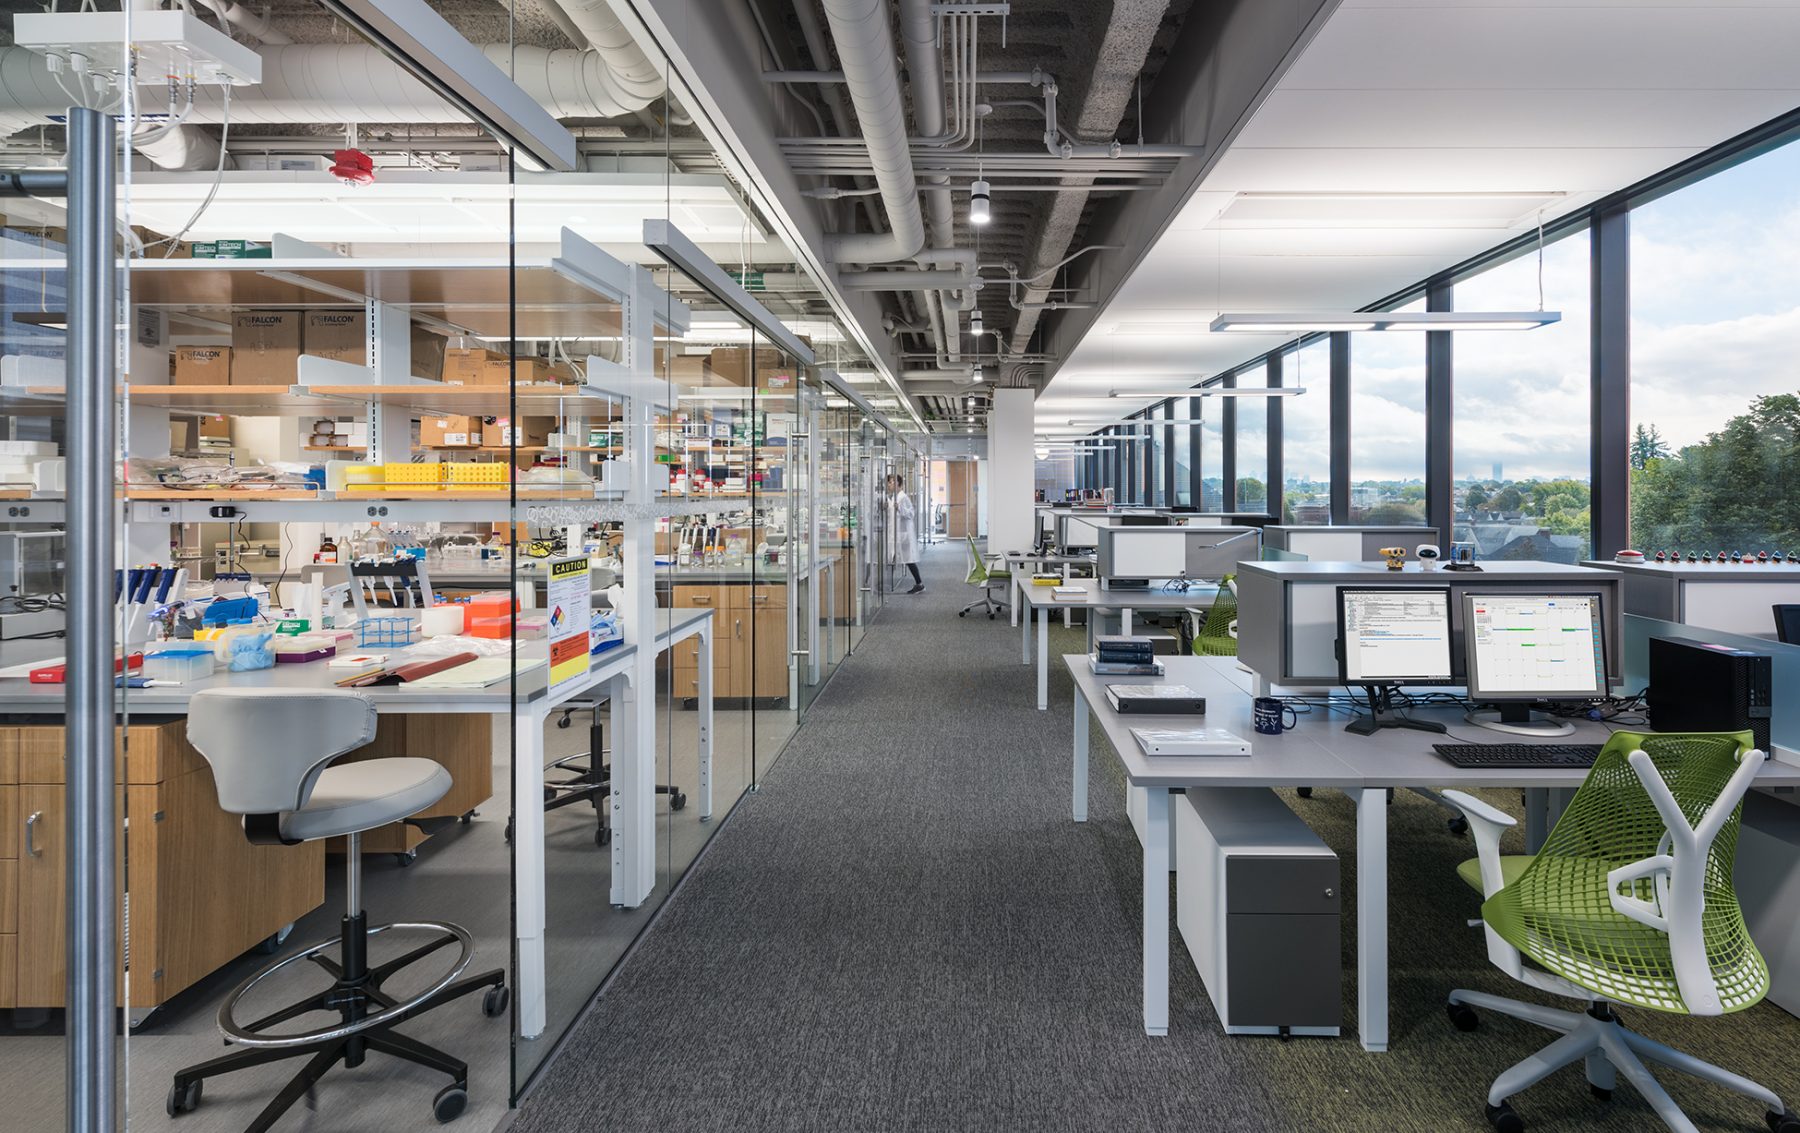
[1517,719]
[1383,715]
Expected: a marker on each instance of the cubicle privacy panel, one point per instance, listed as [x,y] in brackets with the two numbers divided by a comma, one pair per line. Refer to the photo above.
[1288,611]
[1201,553]
[1348,543]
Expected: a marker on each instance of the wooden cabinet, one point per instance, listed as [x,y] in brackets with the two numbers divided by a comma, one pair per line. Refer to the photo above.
[462,742]
[200,894]
[750,641]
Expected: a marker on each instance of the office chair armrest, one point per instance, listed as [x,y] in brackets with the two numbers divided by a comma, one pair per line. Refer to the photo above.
[1487,824]
[1231,629]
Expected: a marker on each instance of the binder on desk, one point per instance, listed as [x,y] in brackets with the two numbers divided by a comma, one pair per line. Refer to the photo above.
[1190,741]
[1151,700]
[483,673]
[405,674]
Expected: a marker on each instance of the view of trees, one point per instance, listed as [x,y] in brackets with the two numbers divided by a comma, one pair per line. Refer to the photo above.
[1735,491]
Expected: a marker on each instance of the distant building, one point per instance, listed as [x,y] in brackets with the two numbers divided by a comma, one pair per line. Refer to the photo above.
[1498,471]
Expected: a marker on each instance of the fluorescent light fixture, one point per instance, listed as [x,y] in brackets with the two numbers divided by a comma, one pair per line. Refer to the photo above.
[980,202]
[1210,391]
[681,253]
[975,326]
[413,35]
[1297,322]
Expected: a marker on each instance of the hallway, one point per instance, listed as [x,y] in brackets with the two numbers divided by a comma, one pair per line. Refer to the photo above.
[904,931]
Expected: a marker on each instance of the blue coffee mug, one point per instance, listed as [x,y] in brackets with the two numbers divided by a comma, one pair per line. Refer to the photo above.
[1272,716]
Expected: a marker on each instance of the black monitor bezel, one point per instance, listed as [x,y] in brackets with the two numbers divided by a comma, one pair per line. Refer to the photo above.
[1470,670]
[1343,651]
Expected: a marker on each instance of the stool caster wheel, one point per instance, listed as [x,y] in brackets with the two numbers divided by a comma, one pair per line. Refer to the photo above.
[1458,826]
[1504,1119]
[563,723]
[184,1099]
[450,1103]
[406,858]
[1303,792]
[1601,1093]
[495,1002]
[602,837]
[468,816]
[677,800]
[962,613]
[990,616]
[1462,1016]
[1783,1122]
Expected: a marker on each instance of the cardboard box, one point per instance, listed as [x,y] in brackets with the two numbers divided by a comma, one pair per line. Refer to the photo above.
[427,353]
[203,365]
[502,370]
[499,431]
[450,432]
[215,427]
[468,365]
[740,366]
[342,336]
[265,348]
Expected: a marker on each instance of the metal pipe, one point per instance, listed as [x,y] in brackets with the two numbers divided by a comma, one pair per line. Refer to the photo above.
[91,827]
[865,47]
[902,280]
[803,76]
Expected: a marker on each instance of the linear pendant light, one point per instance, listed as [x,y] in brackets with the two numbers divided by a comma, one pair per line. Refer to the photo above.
[1209,391]
[1297,322]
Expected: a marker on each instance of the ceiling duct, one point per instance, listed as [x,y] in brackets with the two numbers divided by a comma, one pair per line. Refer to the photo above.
[865,46]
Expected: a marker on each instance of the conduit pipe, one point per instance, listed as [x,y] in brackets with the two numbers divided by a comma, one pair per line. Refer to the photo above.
[918,32]
[250,23]
[865,46]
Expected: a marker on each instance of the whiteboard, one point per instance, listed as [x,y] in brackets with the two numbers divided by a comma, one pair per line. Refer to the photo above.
[1149,552]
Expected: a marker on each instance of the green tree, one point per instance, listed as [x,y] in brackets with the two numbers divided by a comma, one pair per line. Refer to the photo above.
[1475,497]
[1508,498]
[1739,489]
[1647,445]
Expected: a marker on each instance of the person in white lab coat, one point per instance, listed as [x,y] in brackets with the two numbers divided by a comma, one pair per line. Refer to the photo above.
[903,532]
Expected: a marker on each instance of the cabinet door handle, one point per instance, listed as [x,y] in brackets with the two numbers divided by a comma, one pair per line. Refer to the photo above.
[738,628]
[32,851]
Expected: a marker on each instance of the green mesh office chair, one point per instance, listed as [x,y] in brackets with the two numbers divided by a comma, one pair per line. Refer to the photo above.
[1628,902]
[988,578]
[1218,633]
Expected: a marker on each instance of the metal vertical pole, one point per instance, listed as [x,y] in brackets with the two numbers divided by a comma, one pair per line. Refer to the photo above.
[1440,417]
[92,834]
[1610,376]
[1340,426]
[1228,462]
[1276,464]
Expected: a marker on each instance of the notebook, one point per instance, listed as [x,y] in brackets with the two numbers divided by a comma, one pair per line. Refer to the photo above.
[482,673]
[406,674]
[1190,741]
[1165,700]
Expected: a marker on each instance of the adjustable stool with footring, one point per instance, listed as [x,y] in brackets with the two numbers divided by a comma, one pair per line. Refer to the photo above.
[270,751]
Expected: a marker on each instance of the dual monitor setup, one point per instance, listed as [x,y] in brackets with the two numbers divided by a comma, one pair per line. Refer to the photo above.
[1519,649]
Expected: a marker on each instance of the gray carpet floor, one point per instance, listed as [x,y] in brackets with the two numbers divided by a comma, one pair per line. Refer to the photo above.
[903,930]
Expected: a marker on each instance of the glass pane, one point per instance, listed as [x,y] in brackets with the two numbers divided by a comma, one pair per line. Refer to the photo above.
[1521,431]
[1306,435]
[1252,443]
[1158,474]
[1181,442]
[1387,425]
[1714,299]
[1212,453]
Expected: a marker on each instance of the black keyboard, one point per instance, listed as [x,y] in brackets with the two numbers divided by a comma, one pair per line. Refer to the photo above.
[1519,755]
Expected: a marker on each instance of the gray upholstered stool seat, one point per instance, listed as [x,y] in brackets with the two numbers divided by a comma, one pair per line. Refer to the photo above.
[364,795]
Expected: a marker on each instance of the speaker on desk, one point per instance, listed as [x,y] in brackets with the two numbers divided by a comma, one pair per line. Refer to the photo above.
[1697,686]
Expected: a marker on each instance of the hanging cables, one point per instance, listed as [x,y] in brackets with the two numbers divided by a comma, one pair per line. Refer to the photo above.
[218,179]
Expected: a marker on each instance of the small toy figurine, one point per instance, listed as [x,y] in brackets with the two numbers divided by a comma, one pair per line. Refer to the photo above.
[1396,557]
[1662,556]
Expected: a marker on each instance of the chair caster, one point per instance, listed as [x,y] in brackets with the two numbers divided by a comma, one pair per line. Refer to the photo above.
[496,1000]
[1782,1122]
[677,800]
[1601,1093]
[962,613]
[1504,1119]
[272,943]
[602,837]
[1458,826]
[184,1099]
[990,616]
[468,816]
[1462,1016]
[406,858]
[450,1103]
[563,723]
[1303,792]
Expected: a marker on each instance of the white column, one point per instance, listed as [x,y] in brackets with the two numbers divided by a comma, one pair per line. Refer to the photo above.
[1012,473]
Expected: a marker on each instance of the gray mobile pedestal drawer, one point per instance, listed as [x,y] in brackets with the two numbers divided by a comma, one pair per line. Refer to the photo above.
[1257,900]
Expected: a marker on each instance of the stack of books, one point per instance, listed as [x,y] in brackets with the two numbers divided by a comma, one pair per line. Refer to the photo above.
[1117,656]
[1068,594]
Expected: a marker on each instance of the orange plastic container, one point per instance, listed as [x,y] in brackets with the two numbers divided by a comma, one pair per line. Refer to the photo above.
[494,604]
[489,627]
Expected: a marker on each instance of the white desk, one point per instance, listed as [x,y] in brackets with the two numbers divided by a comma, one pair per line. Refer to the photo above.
[1316,753]
[1016,562]
[609,675]
[1094,598]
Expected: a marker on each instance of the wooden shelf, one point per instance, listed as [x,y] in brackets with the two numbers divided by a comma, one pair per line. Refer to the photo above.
[490,448]
[335,448]
[538,400]
[233,401]
[223,495]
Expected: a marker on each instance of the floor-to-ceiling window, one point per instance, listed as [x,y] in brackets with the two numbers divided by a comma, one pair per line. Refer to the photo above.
[1252,441]
[1181,444]
[1521,411]
[1306,434]
[1212,454]
[1159,438]
[1715,376]
[1387,425]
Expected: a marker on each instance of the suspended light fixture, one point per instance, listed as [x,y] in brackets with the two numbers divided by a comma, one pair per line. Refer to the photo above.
[977,373]
[1306,322]
[1210,391]
[980,202]
[975,322]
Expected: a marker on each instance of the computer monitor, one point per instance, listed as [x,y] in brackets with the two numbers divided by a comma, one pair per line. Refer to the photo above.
[1525,648]
[1787,624]
[1389,636]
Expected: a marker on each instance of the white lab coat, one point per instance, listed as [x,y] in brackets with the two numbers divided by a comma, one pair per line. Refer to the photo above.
[902,529]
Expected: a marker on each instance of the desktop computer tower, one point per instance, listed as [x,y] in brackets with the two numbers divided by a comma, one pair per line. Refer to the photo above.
[1697,686]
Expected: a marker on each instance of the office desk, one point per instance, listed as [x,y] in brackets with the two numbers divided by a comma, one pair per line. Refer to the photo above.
[1316,753]
[609,675]
[1016,560]
[1094,598]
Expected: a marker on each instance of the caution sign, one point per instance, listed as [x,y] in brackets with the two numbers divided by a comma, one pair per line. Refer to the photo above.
[568,604]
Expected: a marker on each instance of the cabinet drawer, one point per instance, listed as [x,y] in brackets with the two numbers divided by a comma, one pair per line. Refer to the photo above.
[9,756]
[144,753]
[702,597]
[1282,885]
[12,822]
[685,682]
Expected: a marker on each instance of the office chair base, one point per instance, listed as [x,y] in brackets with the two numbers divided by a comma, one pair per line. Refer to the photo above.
[1610,1052]
[367,1016]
